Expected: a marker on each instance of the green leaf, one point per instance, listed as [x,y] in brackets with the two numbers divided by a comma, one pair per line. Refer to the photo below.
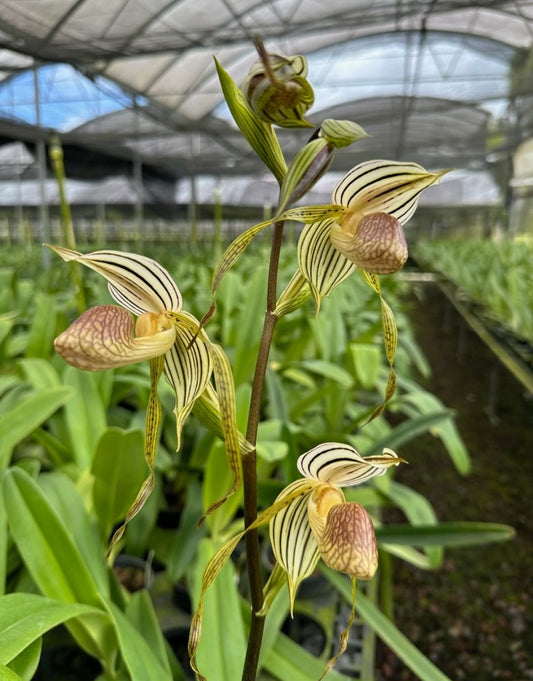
[67,501]
[85,415]
[408,430]
[26,662]
[43,327]
[387,630]
[217,479]
[7,674]
[52,558]
[367,363]
[446,430]
[24,418]
[3,545]
[270,444]
[140,611]
[418,511]
[24,618]
[450,534]
[119,469]
[40,373]
[139,658]
[328,370]
[5,327]
[185,540]
[248,324]
[287,660]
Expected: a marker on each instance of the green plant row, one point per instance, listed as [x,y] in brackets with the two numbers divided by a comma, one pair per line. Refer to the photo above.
[495,274]
[71,456]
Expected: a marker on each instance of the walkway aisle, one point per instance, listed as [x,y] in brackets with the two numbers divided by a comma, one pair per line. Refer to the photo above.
[474,617]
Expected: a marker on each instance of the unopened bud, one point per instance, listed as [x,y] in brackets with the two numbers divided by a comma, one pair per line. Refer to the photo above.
[277,90]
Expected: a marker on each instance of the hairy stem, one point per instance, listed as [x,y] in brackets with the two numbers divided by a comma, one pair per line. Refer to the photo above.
[249,463]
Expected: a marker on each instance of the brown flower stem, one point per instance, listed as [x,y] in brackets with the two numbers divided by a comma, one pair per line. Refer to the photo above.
[253,558]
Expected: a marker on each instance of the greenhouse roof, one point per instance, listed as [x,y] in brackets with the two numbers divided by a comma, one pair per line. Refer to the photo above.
[441,83]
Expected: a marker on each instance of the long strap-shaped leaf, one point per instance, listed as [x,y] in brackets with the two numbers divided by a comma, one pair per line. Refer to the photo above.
[390,337]
[153,420]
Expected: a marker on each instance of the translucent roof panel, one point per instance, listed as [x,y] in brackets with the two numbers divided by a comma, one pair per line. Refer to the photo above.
[61,99]
[443,65]
[389,65]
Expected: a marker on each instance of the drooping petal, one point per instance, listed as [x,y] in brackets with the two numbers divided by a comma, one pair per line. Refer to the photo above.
[383,186]
[339,464]
[188,366]
[348,542]
[322,265]
[151,439]
[291,537]
[390,337]
[228,419]
[376,243]
[103,338]
[136,282]
[207,410]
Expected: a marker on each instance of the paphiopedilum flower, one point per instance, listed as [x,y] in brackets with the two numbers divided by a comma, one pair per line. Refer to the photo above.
[311,519]
[362,228]
[106,336]
[373,202]
[318,522]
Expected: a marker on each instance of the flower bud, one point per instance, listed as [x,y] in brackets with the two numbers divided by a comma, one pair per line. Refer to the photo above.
[277,90]
[341,133]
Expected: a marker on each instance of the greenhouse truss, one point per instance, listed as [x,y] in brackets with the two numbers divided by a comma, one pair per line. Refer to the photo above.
[445,83]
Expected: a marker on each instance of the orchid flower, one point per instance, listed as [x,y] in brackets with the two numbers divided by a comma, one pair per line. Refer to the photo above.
[106,336]
[318,522]
[362,229]
[311,519]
